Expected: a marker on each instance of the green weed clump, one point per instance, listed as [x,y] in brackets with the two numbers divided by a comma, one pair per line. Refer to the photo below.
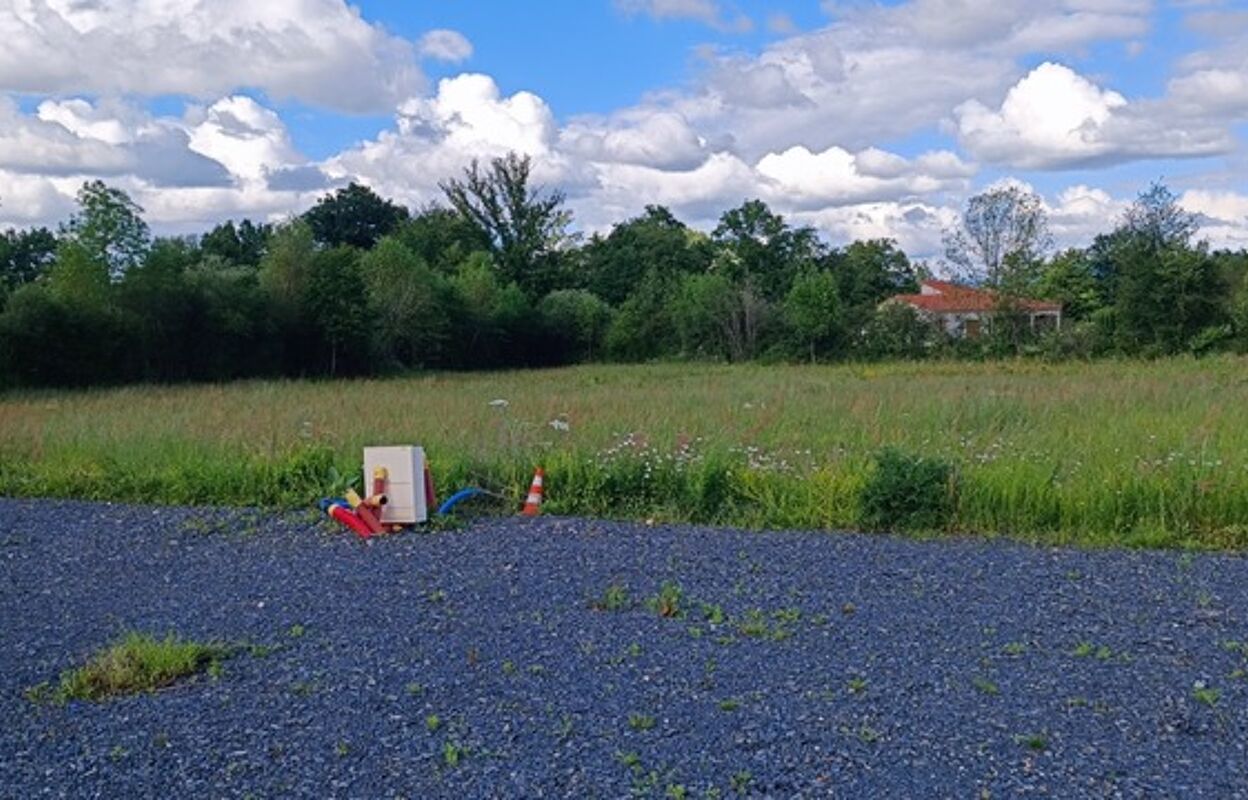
[908,492]
[136,663]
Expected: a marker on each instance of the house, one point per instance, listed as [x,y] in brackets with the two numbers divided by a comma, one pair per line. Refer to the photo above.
[967,312]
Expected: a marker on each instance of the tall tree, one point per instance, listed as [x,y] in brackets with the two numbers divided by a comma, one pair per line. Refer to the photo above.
[525,226]
[109,226]
[442,238]
[1001,239]
[759,246]
[355,216]
[812,310]
[411,306]
[616,265]
[24,255]
[867,273]
[243,244]
[1167,290]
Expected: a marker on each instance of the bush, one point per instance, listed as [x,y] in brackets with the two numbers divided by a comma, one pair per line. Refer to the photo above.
[907,492]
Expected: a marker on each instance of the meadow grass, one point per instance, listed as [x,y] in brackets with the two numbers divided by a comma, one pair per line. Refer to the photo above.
[1107,453]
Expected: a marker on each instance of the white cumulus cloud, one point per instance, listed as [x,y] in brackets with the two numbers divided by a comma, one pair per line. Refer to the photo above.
[317,51]
[1055,118]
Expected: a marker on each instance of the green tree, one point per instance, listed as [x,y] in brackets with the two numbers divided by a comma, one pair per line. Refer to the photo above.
[868,273]
[717,317]
[615,265]
[442,238]
[525,226]
[25,255]
[354,216]
[576,322]
[495,316]
[1001,240]
[758,245]
[1069,278]
[336,307]
[243,244]
[411,307]
[159,308]
[66,331]
[812,310]
[109,226]
[643,328]
[1167,291]
[899,331]
[232,332]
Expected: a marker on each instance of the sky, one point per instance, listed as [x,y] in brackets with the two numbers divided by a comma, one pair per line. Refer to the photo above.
[862,119]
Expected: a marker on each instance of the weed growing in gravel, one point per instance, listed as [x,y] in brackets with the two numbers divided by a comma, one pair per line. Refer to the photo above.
[615,598]
[986,686]
[452,754]
[132,664]
[296,631]
[741,781]
[1014,649]
[433,722]
[713,613]
[868,735]
[640,722]
[1206,695]
[1033,741]
[857,685]
[415,689]
[342,749]
[629,760]
[667,603]
[509,668]
[731,704]
[1086,649]
[676,791]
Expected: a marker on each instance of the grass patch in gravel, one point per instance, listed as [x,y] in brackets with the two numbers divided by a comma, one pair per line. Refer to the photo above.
[134,663]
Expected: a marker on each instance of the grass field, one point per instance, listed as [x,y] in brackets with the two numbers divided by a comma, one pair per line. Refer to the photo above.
[1134,453]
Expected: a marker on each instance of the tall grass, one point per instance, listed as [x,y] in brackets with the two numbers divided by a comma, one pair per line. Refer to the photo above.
[1140,453]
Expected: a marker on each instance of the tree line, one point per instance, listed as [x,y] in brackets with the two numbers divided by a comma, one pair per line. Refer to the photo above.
[495,277]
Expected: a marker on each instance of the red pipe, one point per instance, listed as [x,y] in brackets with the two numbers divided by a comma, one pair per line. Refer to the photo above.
[350,520]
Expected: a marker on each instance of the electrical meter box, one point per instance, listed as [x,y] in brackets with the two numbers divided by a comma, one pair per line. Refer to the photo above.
[405,483]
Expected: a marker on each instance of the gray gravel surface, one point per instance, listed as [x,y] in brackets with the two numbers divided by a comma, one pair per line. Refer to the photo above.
[844,665]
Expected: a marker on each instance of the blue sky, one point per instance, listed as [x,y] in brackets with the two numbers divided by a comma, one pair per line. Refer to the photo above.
[860,118]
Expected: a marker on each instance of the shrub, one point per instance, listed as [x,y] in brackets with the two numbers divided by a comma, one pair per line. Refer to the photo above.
[908,492]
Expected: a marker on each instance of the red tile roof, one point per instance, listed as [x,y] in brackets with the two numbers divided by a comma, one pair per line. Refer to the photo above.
[945,297]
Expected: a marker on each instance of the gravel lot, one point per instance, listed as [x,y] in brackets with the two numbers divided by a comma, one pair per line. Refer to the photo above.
[844,665]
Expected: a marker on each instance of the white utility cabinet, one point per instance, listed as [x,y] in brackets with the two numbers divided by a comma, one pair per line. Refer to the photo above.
[405,483]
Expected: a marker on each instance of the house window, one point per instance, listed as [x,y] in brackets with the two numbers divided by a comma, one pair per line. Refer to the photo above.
[971,328]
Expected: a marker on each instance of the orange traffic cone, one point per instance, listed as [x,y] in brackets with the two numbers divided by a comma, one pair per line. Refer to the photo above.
[533,505]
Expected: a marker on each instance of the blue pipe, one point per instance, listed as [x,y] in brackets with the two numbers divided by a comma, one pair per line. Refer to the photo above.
[459,496]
